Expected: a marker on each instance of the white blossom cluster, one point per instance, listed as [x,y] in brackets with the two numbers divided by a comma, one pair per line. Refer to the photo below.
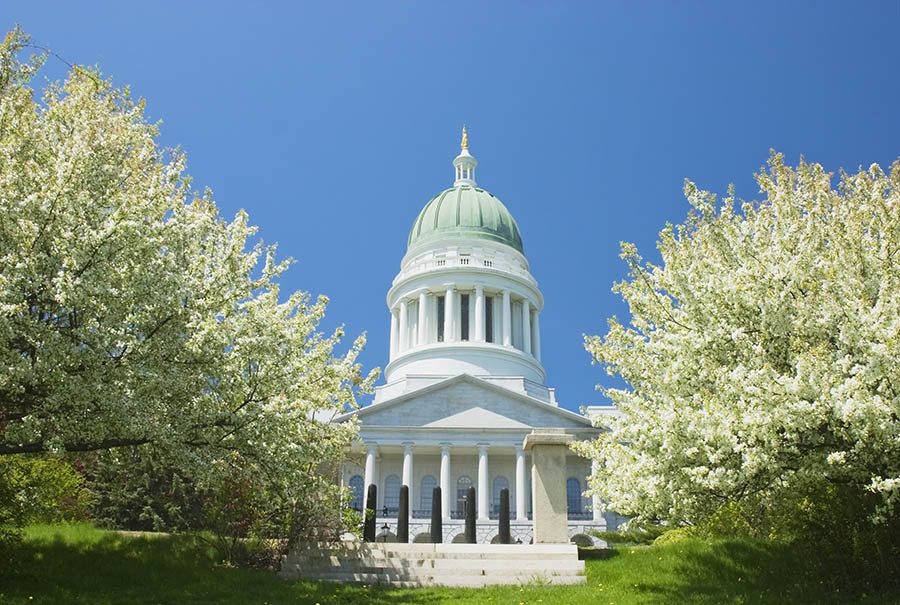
[763,353]
[132,313]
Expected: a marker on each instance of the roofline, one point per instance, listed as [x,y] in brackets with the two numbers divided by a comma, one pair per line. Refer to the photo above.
[473,380]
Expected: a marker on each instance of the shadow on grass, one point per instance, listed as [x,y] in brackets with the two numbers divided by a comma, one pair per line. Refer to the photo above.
[593,554]
[108,568]
[744,572]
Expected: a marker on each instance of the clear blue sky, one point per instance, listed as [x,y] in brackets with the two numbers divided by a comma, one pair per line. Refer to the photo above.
[333,123]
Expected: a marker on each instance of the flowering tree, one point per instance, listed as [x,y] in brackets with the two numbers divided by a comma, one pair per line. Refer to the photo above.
[763,354]
[131,313]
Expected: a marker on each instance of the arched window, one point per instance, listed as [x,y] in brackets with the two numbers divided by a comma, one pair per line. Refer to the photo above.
[462,486]
[500,483]
[356,488]
[426,493]
[573,495]
[392,493]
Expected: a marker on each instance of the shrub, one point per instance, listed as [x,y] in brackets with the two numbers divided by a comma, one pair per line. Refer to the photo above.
[41,489]
[635,532]
[678,534]
[137,489]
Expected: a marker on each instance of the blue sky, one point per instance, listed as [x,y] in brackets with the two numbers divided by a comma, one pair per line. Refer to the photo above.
[333,123]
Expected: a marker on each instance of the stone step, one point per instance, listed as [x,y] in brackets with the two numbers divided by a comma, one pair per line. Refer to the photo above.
[429,573]
[411,580]
[436,564]
[429,547]
[397,564]
[443,551]
[419,559]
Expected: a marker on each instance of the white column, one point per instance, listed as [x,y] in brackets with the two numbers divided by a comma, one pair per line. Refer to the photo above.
[521,488]
[403,332]
[595,498]
[483,483]
[536,336]
[395,328]
[408,466]
[421,326]
[479,314]
[449,310]
[370,470]
[507,320]
[526,326]
[432,317]
[445,480]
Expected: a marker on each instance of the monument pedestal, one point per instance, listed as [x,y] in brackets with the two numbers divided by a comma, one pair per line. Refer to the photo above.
[548,449]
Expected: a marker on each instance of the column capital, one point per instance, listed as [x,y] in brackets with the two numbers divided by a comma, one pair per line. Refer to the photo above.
[408,446]
[445,447]
[520,449]
[483,448]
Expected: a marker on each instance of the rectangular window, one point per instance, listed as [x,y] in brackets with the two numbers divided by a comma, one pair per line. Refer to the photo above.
[489,318]
[440,319]
[464,316]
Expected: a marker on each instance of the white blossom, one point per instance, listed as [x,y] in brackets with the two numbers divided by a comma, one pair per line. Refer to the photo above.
[763,352]
[131,312]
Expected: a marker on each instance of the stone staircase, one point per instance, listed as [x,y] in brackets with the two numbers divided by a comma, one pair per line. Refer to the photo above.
[409,565]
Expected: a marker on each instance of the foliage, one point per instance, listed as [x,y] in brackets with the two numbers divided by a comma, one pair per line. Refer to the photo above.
[131,313]
[37,489]
[236,509]
[41,489]
[76,564]
[762,355]
[134,489]
[672,536]
[635,532]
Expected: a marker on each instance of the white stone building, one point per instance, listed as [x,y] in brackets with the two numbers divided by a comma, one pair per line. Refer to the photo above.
[465,383]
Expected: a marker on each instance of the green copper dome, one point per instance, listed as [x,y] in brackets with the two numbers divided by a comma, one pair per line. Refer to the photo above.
[465,212]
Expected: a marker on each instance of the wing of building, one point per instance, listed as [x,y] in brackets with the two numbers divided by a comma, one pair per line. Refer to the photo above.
[465,382]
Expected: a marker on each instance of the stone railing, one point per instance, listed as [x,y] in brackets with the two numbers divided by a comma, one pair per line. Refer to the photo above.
[472,261]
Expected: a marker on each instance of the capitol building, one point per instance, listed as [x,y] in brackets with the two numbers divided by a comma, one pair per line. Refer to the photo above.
[464,384]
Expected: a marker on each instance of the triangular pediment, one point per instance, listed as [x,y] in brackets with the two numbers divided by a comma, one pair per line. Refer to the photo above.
[477,417]
[468,402]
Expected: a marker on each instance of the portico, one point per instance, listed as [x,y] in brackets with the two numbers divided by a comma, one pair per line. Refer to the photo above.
[452,467]
[410,441]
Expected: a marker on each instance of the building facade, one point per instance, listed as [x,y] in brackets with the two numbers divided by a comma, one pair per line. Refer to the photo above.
[464,383]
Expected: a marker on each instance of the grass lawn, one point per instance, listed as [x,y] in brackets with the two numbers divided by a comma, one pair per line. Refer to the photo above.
[75,564]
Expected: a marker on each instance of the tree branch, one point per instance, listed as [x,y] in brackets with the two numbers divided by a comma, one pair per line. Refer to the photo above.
[85,446]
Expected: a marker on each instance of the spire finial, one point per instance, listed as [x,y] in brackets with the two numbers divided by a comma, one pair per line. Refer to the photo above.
[464,162]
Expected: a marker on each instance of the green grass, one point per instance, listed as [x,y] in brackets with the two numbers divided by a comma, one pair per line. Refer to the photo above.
[75,564]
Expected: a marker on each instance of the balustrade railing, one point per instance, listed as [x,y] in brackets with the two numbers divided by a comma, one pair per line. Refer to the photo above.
[389,512]
[581,515]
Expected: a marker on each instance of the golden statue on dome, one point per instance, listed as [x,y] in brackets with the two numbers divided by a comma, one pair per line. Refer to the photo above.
[465,139]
